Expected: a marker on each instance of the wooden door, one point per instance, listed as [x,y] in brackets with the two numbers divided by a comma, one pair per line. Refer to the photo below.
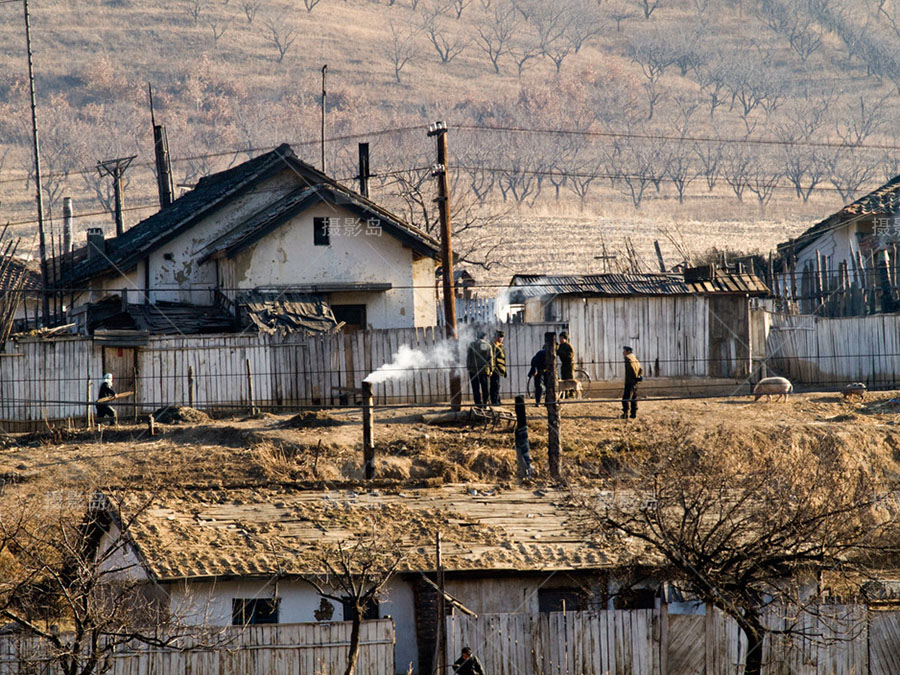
[122,363]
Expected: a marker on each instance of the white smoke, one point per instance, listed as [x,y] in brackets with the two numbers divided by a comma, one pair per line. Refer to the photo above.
[406,361]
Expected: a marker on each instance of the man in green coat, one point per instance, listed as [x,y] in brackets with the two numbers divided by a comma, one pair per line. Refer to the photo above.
[499,366]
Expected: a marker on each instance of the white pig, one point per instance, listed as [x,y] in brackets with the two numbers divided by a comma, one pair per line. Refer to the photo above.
[772,386]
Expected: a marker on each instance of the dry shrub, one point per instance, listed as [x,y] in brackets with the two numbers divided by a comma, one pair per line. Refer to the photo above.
[180,415]
[312,419]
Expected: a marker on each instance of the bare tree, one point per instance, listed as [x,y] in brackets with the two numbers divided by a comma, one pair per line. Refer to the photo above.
[494,36]
[399,49]
[735,166]
[762,181]
[310,4]
[448,43]
[459,6]
[743,527]
[281,32]
[218,25]
[848,170]
[710,157]
[647,7]
[354,574]
[196,8]
[653,55]
[680,169]
[61,575]
[250,7]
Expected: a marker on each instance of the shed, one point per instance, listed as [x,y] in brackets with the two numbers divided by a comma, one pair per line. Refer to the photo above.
[680,325]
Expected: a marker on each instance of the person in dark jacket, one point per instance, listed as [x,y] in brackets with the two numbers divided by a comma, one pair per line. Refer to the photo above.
[634,373]
[566,356]
[479,364]
[499,367]
[537,370]
[106,390]
[468,664]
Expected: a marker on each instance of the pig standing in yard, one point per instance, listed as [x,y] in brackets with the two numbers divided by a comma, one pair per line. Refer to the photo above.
[772,386]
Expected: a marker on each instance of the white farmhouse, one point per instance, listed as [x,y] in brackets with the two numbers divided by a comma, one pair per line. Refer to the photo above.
[269,227]
[238,556]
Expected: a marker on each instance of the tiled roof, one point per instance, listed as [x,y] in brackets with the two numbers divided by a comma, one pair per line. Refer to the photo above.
[124,251]
[11,272]
[882,201]
[258,532]
[531,285]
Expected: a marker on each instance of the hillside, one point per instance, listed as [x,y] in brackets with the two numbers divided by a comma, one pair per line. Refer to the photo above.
[723,119]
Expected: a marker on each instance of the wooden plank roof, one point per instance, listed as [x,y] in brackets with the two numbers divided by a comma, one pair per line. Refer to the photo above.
[260,531]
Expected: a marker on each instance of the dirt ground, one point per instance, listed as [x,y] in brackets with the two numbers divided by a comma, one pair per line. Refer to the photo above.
[325,447]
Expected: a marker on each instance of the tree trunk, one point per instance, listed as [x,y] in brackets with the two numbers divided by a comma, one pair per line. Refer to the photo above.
[754,632]
[353,653]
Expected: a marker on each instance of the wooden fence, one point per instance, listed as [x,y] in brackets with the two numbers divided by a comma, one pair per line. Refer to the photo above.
[818,351]
[832,640]
[276,649]
[55,379]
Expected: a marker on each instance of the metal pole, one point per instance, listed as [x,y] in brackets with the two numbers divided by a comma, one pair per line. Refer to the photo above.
[441,170]
[324,167]
[37,168]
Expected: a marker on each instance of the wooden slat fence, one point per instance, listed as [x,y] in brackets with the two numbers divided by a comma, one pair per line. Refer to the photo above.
[277,649]
[670,334]
[814,350]
[51,378]
[831,640]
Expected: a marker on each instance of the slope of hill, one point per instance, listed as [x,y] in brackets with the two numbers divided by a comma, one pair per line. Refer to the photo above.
[708,111]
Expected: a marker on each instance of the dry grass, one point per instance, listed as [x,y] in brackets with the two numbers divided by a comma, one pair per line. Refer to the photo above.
[596,445]
[103,53]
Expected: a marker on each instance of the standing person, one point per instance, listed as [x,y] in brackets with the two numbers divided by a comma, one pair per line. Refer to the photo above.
[634,373]
[566,356]
[467,664]
[479,362]
[106,390]
[499,367]
[538,366]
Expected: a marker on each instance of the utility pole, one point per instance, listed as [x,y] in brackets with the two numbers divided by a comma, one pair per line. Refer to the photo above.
[553,442]
[161,155]
[45,298]
[116,168]
[441,172]
[324,168]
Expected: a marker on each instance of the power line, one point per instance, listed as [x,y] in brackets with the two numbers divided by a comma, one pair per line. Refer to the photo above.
[680,139]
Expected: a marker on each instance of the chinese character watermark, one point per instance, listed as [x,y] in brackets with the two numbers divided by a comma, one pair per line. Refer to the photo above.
[351,227]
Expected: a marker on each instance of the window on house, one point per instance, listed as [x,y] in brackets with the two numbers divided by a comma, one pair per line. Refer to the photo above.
[635,598]
[246,611]
[369,613]
[552,599]
[354,316]
[322,231]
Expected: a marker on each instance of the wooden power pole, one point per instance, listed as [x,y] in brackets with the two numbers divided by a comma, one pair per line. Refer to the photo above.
[553,441]
[441,172]
[45,296]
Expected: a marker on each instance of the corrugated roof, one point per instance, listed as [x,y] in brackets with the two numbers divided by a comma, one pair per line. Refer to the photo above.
[263,531]
[882,201]
[531,285]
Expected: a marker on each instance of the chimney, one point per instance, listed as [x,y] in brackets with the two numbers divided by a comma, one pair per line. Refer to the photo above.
[96,242]
[364,169]
[68,217]
[163,166]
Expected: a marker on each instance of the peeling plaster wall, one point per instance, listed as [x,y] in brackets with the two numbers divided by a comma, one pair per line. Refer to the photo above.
[288,257]
[182,279]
